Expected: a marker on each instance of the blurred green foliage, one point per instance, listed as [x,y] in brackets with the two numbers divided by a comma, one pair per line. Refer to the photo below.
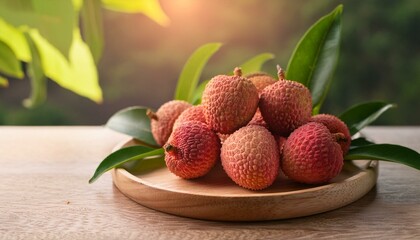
[379,56]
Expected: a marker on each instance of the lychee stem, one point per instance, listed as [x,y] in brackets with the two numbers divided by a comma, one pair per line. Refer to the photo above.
[169,147]
[339,137]
[151,114]
[280,73]
[237,71]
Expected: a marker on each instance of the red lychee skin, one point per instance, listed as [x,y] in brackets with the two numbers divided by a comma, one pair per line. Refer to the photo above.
[335,125]
[250,157]
[222,137]
[312,155]
[194,113]
[261,80]
[229,102]
[192,150]
[163,120]
[285,105]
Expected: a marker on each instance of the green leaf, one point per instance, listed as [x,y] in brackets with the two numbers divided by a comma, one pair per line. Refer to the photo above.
[122,156]
[92,27]
[150,8]
[191,72]
[134,122]
[361,115]
[78,73]
[3,82]
[386,152]
[9,64]
[55,20]
[37,78]
[315,57]
[255,64]
[16,40]
[199,92]
[358,142]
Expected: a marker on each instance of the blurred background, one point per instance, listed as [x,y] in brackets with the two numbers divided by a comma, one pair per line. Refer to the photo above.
[379,56]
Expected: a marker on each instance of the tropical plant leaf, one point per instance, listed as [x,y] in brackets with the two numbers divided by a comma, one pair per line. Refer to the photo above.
[358,142]
[386,152]
[315,57]
[134,122]
[55,20]
[9,64]
[78,73]
[150,8]
[255,64]
[191,71]
[16,40]
[122,156]
[92,27]
[199,92]
[361,115]
[4,82]
[37,78]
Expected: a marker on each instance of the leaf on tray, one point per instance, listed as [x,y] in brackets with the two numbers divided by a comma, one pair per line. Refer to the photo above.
[386,152]
[361,115]
[124,155]
[134,122]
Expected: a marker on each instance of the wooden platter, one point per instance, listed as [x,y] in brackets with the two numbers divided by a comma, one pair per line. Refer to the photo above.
[216,197]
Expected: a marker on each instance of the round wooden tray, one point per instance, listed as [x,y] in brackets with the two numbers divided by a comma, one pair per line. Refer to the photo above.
[216,197]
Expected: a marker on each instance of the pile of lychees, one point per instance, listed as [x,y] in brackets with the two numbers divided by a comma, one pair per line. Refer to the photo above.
[257,126]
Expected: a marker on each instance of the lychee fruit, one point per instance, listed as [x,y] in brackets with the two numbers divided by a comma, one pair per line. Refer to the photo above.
[192,150]
[162,121]
[222,137]
[229,102]
[335,125]
[261,80]
[312,154]
[280,143]
[194,113]
[285,105]
[250,157]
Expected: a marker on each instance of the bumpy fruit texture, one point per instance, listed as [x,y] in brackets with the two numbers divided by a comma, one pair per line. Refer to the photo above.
[285,105]
[163,120]
[250,157]
[261,80]
[192,150]
[194,113]
[229,102]
[335,125]
[312,155]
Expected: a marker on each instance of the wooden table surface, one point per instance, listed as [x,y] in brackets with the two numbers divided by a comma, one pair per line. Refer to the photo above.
[44,194]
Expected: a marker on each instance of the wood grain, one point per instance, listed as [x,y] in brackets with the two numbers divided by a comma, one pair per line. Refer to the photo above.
[44,194]
[216,197]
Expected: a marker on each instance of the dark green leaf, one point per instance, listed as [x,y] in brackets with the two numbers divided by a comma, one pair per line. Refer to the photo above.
[361,115]
[9,64]
[55,20]
[122,156]
[386,152]
[92,27]
[191,72]
[358,142]
[255,64]
[315,57]
[37,77]
[134,122]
